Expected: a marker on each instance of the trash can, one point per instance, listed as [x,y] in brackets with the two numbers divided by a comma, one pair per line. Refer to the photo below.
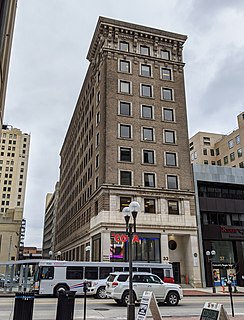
[65,307]
[23,306]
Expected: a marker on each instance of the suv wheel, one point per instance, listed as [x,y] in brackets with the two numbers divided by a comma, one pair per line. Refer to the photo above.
[126,298]
[172,298]
[101,293]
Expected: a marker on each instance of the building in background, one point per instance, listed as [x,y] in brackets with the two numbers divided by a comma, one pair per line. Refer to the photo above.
[48,245]
[14,155]
[220,216]
[32,253]
[218,149]
[7,20]
[127,140]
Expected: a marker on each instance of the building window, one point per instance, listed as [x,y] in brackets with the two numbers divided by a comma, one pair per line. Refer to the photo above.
[205,152]
[98,97]
[169,136]
[168,114]
[125,108]
[149,206]
[205,162]
[166,74]
[145,50]
[239,152]
[241,164]
[124,202]
[97,139]
[124,66]
[167,94]
[165,54]
[148,156]
[238,139]
[126,178]
[232,156]
[146,90]
[98,118]
[125,154]
[170,159]
[213,163]
[217,152]
[146,70]
[173,207]
[148,134]
[231,144]
[124,46]
[212,152]
[172,182]
[125,87]
[147,111]
[225,159]
[149,179]
[218,162]
[97,160]
[125,131]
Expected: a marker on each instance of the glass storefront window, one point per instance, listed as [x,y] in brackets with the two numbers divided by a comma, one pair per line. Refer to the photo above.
[146,247]
[224,252]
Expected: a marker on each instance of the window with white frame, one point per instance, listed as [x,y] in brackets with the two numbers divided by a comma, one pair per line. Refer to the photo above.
[148,134]
[125,154]
[125,131]
[168,114]
[124,66]
[124,108]
[147,111]
[146,90]
[169,136]
[124,46]
[149,179]
[146,70]
[239,152]
[173,207]
[172,182]
[125,178]
[165,54]
[231,143]
[145,50]
[232,156]
[238,139]
[167,94]
[124,86]
[166,74]
[148,157]
[170,159]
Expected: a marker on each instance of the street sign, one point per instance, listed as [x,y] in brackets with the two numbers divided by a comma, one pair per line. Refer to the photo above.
[148,301]
[213,311]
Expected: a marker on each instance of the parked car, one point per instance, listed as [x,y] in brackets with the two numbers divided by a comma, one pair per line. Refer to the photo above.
[98,288]
[117,288]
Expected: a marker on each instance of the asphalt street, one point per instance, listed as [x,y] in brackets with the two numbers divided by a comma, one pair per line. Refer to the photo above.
[189,308]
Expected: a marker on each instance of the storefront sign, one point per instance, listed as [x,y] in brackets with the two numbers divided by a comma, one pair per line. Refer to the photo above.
[121,237]
[148,301]
[231,232]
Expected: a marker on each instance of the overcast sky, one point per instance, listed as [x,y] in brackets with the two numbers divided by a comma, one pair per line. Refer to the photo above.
[48,65]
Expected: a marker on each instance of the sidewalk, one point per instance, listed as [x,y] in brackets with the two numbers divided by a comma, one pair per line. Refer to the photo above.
[209,292]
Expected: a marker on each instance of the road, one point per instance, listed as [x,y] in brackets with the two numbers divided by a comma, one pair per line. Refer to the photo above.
[45,308]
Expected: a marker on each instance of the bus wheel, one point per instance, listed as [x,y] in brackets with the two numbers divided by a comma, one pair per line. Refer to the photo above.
[59,288]
[101,293]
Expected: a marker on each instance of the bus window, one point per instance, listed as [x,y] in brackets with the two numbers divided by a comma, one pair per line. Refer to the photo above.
[159,272]
[91,273]
[144,270]
[47,272]
[74,273]
[127,269]
[118,269]
[104,272]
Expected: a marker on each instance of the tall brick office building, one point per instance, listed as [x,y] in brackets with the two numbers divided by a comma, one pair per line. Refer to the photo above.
[128,140]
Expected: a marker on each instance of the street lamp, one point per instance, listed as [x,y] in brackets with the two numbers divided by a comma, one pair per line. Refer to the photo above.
[50,254]
[132,210]
[210,255]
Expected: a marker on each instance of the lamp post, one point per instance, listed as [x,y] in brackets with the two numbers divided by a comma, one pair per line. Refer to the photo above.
[132,210]
[50,254]
[210,255]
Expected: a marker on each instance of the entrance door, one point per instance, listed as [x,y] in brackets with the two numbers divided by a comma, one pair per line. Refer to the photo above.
[176,271]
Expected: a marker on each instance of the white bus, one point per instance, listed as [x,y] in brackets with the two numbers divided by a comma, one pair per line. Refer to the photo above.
[51,276]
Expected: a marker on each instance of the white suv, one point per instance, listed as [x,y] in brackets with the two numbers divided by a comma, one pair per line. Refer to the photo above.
[117,288]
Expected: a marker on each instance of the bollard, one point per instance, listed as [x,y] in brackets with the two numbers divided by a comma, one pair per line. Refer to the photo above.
[23,306]
[65,307]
